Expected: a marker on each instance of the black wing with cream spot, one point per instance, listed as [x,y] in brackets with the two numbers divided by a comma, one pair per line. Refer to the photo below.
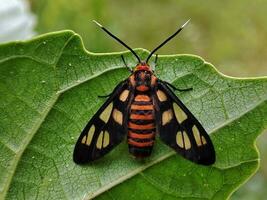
[106,129]
[179,129]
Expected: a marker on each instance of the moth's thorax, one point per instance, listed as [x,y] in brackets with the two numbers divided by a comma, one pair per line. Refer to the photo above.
[142,78]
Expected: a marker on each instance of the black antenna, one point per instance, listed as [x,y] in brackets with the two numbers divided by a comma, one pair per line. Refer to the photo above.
[121,42]
[167,40]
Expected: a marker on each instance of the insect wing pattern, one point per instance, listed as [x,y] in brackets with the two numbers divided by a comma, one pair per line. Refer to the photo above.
[179,129]
[153,108]
[106,129]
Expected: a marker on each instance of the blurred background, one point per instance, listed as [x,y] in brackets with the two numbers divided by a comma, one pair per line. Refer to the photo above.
[230,34]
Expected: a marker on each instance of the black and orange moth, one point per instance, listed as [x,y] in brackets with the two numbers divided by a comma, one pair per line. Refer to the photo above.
[141,107]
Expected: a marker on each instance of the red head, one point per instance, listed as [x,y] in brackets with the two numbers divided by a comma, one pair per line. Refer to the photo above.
[142,67]
[142,77]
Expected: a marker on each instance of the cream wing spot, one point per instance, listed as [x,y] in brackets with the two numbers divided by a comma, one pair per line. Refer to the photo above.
[117,116]
[84,139]
[99,141]
[124,95]
[187,142]
[179,139]
[106,139]
[167,116]
[197,135]
[203,140]
[90,135]
[161,95]
[179,113]
[106,113]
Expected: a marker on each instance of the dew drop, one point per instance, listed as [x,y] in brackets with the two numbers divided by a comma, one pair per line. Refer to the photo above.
[43,81]
[44,42]
[33,157]
[70,64]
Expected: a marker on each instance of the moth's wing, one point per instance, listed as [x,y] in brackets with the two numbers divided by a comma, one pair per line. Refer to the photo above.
[179,129]
[106,129]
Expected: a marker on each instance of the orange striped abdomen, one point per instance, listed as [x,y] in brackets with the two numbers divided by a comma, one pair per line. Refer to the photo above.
[141,126]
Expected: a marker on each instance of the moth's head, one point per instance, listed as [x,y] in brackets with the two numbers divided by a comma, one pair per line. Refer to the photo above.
[142,66]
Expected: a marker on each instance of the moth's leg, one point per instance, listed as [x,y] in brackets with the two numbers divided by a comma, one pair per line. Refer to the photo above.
[177,89]
[154,64]
[156,60]
[104,96]
[123,60]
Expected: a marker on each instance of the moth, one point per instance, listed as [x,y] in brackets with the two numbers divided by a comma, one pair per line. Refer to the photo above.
[141,107]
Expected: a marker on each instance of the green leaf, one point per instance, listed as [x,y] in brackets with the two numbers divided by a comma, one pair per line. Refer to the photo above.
[49,89]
